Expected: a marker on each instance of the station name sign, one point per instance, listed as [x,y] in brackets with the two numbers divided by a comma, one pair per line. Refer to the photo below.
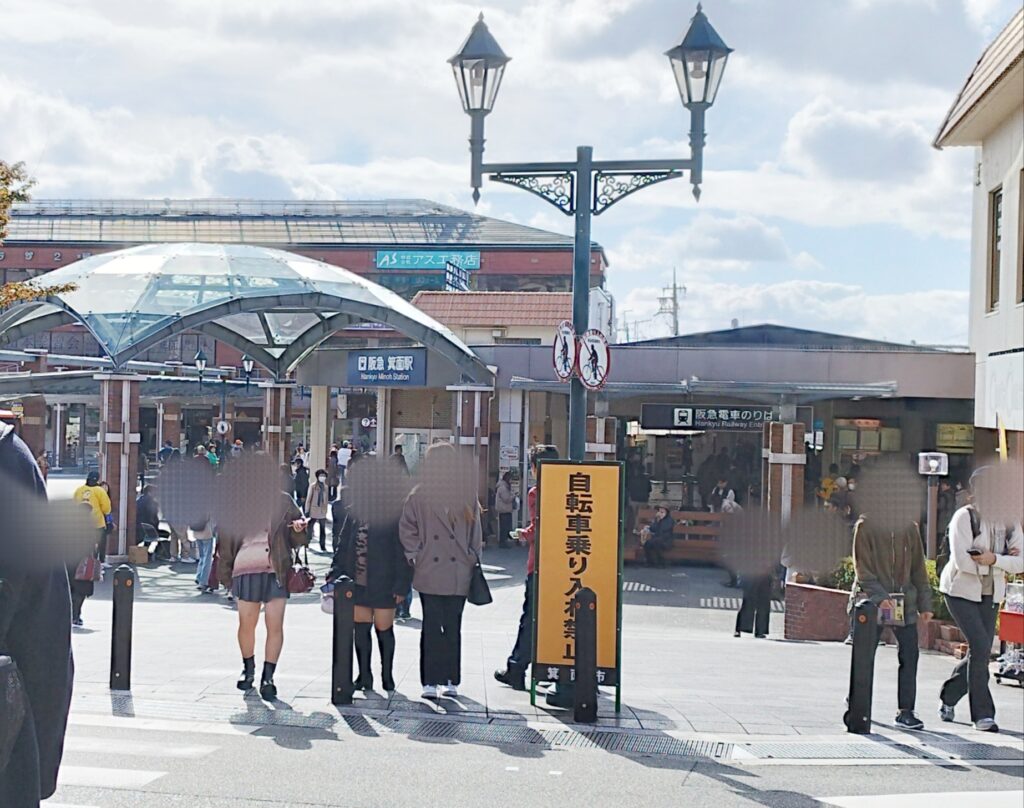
[427,259]
[706,417]
[401,367]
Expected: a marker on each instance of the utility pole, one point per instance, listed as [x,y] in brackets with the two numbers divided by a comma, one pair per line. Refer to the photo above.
[669,302]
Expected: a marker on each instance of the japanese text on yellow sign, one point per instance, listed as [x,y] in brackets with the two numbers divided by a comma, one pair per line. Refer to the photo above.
[578,546]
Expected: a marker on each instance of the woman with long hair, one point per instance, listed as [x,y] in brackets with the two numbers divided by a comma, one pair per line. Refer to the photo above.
[442,538]
[369,552]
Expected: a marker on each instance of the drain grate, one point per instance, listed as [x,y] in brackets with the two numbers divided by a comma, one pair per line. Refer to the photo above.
[975,751]
[809,750]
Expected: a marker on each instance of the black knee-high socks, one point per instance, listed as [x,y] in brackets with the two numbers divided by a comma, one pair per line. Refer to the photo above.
[386,643]
[364,653]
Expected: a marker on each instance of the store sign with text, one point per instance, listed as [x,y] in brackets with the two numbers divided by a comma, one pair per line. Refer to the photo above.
[706,417]
[427,259]
[400,367]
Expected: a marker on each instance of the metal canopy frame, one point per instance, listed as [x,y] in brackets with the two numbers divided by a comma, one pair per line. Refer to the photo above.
[206,321]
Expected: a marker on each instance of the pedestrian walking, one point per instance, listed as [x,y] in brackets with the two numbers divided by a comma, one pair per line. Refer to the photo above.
[254,564]
[93,494]
[514,674]
[203,540]
[504,506]
[889,563]
[973,583]
[370,552]
[318,500]
[333,474]
[44,465]
[300,481]
[442,538]
[721,492]
[344,457]
[165,452]
[398,459]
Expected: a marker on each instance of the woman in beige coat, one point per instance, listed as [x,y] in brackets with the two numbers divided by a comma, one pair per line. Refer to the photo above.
[442,539]
[318,500]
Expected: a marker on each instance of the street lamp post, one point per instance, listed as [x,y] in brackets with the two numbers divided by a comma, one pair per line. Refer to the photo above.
[200,363]
[248,363]
[587,187]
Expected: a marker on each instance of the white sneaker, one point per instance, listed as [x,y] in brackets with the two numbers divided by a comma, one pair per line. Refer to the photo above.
[947,713]
[430,691]
[986,725]
[189,561]
[449,690]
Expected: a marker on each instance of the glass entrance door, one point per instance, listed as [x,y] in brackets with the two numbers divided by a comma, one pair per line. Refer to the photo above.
[415,442]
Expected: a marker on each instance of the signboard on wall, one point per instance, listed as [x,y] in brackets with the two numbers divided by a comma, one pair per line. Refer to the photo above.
[394,367]
[427,259]
[706,417]
[954,438]
[579,544]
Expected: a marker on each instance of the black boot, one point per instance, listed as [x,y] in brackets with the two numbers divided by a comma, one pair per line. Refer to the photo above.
[364,653]
[248,673]
[386,643]
[268,691]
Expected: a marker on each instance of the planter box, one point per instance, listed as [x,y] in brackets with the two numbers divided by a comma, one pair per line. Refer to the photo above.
[950,633]
[928,632]
[816,613]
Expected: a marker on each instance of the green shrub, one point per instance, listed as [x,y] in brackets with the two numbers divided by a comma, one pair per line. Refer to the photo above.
[938,600]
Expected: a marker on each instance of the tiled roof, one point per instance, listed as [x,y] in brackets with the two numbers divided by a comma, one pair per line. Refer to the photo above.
[496,308]
[385,223]
[987,83]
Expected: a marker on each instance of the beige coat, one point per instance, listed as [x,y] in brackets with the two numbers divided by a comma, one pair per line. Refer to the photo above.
[442,544]
[314,511]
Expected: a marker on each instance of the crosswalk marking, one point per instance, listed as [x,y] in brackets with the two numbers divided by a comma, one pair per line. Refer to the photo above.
[99,777]
[158,724]
[115,746]
[49,804]
[949,799]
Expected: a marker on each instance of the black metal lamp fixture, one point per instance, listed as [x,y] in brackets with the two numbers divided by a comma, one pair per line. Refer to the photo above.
[200,363]
[248,363]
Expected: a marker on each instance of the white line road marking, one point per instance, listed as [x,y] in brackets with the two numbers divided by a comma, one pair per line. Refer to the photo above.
[555,774]
[94,743]
[511,768]
[949,799]
[159,725]
[98,777]
[49,804]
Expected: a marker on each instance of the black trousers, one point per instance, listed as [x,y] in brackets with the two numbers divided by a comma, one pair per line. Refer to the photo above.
[504,527]
[907,654]
[441,639]
[323,532]
[522,652]
[977,621]
[77,601]
[756,608]
[101,544]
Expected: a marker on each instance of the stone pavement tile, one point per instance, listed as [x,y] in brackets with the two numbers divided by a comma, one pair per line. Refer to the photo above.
[768,729]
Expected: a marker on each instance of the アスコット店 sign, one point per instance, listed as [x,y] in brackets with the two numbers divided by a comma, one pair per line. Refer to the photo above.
[579,544]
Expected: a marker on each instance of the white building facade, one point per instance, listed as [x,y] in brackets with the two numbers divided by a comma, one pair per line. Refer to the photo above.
[988,114]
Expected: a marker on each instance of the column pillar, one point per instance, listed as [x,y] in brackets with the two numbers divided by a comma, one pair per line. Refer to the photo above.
[601,442]
[119,452]
[472,430]
[319,426]
[277,427]
[33,424]
[383,421]
[169,415]
[58,434]
[783,467]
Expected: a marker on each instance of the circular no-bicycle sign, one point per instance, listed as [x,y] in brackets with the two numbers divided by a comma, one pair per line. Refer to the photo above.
[595,359]
[564,351]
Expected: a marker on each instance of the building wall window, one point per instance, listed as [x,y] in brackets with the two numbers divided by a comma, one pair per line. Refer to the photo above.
[1020,238]
[995,240]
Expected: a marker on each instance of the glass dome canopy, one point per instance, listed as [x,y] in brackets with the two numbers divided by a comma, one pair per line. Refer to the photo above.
[274,305]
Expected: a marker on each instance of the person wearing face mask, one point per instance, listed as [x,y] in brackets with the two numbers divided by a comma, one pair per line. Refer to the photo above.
[318,500]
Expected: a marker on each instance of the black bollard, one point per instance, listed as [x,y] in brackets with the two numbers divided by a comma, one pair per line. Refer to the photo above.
[342,686]
[121,633]
[585,692]
[862,668]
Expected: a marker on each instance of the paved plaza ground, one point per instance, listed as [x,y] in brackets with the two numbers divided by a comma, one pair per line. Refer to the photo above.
[707,719]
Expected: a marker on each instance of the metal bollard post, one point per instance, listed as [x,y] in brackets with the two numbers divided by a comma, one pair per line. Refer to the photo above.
[121,633]
[344,619]
[862,668]
[585,693]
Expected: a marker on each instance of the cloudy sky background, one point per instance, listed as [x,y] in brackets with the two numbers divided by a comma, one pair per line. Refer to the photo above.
[824,205]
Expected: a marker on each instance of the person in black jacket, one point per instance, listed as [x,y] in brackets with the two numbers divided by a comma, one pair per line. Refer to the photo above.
[369,551]
[660,537]
[35,632]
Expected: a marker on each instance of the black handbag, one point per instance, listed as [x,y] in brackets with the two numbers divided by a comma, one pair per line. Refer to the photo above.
[479,591]
[13,703]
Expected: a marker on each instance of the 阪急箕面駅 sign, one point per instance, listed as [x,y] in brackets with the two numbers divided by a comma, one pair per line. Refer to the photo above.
[579,544]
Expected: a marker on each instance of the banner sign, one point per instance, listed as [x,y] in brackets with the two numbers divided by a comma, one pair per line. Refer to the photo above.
[579,544]
[456,278]
[398,367]
[722,418]
[427,259]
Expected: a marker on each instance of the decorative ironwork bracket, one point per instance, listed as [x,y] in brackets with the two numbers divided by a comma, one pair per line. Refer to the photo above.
[558,189]
[611,186]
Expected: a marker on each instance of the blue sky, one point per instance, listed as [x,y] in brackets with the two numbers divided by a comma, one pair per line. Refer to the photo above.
[824,204]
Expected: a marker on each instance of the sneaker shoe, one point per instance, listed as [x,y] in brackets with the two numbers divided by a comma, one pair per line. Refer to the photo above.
[986,725]
[430,692]
[848,640]
[189,561]
[77,622]
[946,712]
[449,690]
[907,720]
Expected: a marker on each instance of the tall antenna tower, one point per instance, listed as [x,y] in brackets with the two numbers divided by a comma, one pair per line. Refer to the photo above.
[668,302]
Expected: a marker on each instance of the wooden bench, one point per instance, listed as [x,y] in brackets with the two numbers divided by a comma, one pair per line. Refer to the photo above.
[695,537]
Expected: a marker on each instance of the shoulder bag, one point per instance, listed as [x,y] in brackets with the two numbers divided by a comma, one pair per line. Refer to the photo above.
[479,591]
[88,569]
[300,577]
